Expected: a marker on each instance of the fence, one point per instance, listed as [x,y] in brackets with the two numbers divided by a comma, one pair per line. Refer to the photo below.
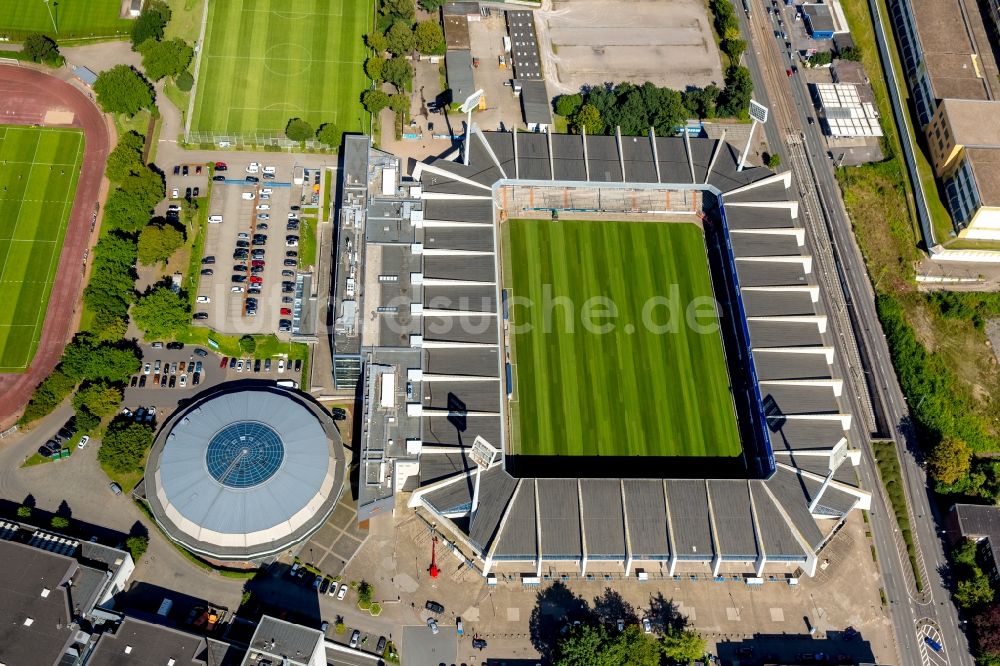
[253,140]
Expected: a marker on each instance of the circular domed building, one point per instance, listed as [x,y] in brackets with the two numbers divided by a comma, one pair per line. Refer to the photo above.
[243,473]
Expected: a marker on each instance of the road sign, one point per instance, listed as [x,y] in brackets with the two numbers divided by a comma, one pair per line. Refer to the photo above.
[472,101]
[758,112]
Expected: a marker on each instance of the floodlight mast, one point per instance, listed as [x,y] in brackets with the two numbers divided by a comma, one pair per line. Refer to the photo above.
[471,102]
[758,114]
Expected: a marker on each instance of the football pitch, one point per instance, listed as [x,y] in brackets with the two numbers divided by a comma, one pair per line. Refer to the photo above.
[75,18]
[40,169]
[638,389]
[267,61]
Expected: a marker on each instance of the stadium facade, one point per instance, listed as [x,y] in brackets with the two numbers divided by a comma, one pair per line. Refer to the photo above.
[242,473]
[421,325]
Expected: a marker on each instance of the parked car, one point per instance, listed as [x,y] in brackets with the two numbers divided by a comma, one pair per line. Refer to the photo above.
[325,585]
[210,259]
[332,592]
[342,592]
[434,607]
[432,623]
[207,271]
[218,179]
[200,352]
[340,414]
[479,643]
[115,488]
[221,166]
[175,345]
[355,637]
[317,582]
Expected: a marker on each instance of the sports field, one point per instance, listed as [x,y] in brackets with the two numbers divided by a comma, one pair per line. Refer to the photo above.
[73,18]
[38,175]
[266,61]
[632,391]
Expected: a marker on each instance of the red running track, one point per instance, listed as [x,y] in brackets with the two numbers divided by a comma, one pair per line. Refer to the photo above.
[26,95]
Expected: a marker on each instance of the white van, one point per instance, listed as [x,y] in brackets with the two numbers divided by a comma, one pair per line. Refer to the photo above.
[288,383]
[214,219]
[270,170]
[248,196]
[253,167]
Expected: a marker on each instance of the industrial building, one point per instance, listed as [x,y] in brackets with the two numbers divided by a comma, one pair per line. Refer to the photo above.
[951,70]
[244,473]
[843,113]
[428,325]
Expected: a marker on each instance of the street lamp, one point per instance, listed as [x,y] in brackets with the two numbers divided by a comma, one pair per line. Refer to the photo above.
[51,18]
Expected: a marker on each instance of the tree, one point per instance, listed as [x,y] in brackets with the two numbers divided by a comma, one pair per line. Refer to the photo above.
[399,103]
[733,47]
[137,545]
[377,42]
[166,58]
[330,135]
[124,446]
[298,130]
[950,460]
[126,158]
[248,345]
[773,161]
[683,646]
[374,100]
[700,102]
[401,40]
[41,48]
[594,646]
[987,626]
[150,24]
[59,522]
[24,511]
[184,81]
[99,398]
[588,119]
[974,592]
[399,72]
[48,395]
[735,97]
[158,242]
[85,358]
[431,5]
[161,313]
[373,68]
[403,9]
[850,53]
[567,105]
[428,36]
[122,89]
[86,421]
[820,58]
[112,281]
[365,592]
[108,327]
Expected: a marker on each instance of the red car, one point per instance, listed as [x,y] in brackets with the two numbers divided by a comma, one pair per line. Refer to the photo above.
[257,262]
[224,361]
[286,311]
[256,279]
[221,166]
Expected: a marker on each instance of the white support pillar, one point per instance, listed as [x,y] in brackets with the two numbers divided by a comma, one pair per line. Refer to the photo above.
[517,167]
[819,320]
[715,155]
[586,159]
[656,156]
[836,384]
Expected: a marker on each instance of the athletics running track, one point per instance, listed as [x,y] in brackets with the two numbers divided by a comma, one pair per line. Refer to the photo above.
[25,97]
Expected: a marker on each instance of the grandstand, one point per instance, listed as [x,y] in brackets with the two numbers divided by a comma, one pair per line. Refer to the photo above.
[431,315]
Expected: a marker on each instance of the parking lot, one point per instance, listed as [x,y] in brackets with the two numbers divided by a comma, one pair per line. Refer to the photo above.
[187,181]
[251,252]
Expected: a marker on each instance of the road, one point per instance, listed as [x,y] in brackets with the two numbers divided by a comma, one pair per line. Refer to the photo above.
[801,146]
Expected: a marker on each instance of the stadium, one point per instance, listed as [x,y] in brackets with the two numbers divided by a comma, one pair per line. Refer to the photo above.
[244,473]
[559,453]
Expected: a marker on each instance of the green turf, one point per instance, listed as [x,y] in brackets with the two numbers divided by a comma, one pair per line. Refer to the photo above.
[39,168]
[632,391]
[73,18]
[266,61]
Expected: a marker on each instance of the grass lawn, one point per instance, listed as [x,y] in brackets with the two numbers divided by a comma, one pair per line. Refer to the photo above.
[75,18]
[307,241]
[266,61]
[37,185]
[631,391]
[892,480]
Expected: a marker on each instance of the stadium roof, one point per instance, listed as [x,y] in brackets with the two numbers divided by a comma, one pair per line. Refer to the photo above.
[709,520]
[245,472]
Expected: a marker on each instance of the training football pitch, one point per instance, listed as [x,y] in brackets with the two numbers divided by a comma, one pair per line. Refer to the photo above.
[267,61]
[75,18]
[643,388]
[38,176]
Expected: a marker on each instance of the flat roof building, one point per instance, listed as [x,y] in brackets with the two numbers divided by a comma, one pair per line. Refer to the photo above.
[281,642]
[458,69]
[844,114]
[536,105]
[819,21]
